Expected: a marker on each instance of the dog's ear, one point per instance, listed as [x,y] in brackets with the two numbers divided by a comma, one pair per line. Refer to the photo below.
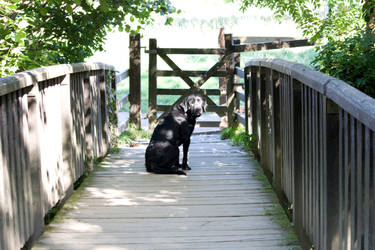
[183,106]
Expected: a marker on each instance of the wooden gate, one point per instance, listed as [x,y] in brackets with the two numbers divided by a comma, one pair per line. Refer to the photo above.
[224,68]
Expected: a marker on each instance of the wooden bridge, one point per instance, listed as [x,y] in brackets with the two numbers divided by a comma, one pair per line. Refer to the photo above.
[314,137]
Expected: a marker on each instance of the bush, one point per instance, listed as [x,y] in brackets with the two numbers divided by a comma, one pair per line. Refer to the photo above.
[129,136]
[351,60]
[239,137]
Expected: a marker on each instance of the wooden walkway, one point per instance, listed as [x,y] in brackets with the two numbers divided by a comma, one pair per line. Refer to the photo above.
[220,204]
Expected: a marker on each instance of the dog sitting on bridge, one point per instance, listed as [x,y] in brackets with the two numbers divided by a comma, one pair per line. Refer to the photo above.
[162,153]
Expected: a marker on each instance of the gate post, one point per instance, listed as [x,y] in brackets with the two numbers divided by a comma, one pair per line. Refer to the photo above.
[229,79]
[152,84]
[135,80]
[222,83]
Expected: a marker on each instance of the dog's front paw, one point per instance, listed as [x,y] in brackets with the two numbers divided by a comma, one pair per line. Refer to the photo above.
[185,167]
[179,172]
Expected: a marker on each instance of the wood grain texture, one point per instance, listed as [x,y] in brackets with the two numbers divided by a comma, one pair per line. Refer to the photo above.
[220,204]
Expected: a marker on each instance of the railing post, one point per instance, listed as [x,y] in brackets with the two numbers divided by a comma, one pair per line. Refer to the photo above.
[113,116]
[222,83]
[248,117]
[66,120]
[236,60]
[298,198]
[135,80]
[331,175]
[229,65]
[277,130]
[35,127]
[152,84]
[87,99]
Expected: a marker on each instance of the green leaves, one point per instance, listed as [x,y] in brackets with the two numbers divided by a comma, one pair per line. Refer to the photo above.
[66,31]
[348,52]
[351,60]
[317,19]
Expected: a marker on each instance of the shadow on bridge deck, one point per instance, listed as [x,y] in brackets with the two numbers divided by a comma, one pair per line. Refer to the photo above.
[220,204]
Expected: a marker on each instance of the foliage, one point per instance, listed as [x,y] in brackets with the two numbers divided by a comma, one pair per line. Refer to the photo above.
[317,18]
[12,36]
[347,29]
[352,60]
[239,137]
[129,137]
[42,32]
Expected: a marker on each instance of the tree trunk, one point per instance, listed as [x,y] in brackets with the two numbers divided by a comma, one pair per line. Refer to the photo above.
[368,10]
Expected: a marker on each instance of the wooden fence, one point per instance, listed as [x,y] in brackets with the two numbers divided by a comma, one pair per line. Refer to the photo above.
[224,69]
[54,121]
[315,136]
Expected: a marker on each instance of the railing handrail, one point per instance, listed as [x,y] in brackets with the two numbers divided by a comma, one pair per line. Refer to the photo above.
[24,79]
[355,102]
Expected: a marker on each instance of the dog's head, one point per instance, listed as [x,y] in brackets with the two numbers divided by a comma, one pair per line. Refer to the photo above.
[193,105]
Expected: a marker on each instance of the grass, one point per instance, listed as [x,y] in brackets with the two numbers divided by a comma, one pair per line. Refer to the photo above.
[131,135]
[238,136]
[302,55]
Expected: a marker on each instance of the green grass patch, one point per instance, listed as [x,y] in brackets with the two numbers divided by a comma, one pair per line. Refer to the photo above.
[238,136]
[131,135]
[114,150]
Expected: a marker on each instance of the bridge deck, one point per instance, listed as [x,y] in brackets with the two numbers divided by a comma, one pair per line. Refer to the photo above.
[220,204]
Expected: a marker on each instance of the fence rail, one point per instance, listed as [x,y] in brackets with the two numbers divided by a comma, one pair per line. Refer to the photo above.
[315,136]
[53,121]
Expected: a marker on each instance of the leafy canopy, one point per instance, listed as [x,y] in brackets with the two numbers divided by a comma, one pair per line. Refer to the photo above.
[346,30]
[317,19]
[41,32]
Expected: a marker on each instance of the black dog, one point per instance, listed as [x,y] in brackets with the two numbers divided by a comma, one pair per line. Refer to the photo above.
[162,153]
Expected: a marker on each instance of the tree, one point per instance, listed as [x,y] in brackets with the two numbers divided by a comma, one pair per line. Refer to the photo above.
[318,19]
[345,29]
[35,33]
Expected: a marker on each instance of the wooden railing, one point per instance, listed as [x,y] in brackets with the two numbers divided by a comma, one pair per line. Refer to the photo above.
[54,121]
[315,136]
[122,125]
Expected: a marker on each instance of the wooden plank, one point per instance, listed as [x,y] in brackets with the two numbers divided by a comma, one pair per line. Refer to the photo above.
[205,124]
[187,91]
[240,96]
[240,72]
[187,51]
[366,197]
[255,39]
[121,76]
[192,245]
[240,118]
[210,108]
[222,84]
[272,45]
[4,182]
[353,195]
[229,65]
[28,78]
[123,101]
[212,71]
[353,101]
[359,184]
[346,181]
[219,73]
[219,204]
